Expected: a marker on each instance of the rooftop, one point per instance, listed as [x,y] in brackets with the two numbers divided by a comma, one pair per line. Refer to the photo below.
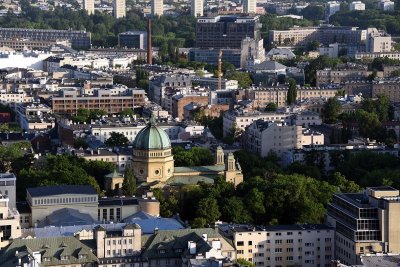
[44,191]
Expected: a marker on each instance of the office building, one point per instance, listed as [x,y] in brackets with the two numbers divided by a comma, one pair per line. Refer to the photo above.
[119,8]
[197,7]
[77,39]
[133,39]
[249,6]
[88,6]
[226,31]
[157,7]
[307,245]
[357,5]
[238,38]
[365,223]
[69,101]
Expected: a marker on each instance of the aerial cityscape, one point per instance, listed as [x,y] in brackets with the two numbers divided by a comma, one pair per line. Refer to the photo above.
[199,133]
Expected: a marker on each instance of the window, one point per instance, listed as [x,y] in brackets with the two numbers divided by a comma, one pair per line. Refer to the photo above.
[250,243]
[239,243]
[111,214]
[289,241]
[278,250]
[240,252]
[104,214]
[278,241]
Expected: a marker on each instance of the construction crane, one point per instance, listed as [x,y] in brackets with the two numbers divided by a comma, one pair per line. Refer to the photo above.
[220,69]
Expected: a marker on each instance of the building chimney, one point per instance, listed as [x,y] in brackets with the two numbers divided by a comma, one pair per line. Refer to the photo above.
[149,45]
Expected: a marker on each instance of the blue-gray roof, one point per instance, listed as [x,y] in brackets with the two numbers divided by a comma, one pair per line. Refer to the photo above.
[44,191]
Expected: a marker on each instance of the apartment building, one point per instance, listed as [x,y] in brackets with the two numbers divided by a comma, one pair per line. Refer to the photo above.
[365,222]
[8,183]
[119,8]
[261,96]
[157,7]
[264,137]
[197,7]
[10,227]
[389,87]
[356,5]
[88,6]
[307,245]
[325,34]
[250,6]
[341,74]
[78,39]
[372,55]
[378,41]
[69,101]
[243,118]
[386,5]
[332,7]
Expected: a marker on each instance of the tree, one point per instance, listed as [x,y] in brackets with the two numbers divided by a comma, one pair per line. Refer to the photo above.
[233,210]
[313,12]
[233,134]
[292,92]
[117,139]
[332,109]
[243,78]
[199,222]
[129,183]
[208,209]
[271,107]
[368,123]
[344,185]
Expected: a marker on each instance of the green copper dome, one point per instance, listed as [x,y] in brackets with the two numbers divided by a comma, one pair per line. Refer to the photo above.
[152,137]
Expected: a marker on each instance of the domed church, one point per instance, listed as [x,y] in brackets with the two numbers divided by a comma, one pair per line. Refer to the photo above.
[153,162]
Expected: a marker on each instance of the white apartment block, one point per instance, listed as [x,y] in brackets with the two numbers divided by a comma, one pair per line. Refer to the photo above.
[332,7]
[386,5]
[157,7]
[250,6]
[8,183]
[242,118]
[88,5]
[119,8]
[357,5]
[197,7]
[305,245]
[17,97]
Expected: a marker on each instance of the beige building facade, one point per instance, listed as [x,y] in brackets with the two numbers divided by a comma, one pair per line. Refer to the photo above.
[283,245]
[10,227]
[88,5]
[119,8]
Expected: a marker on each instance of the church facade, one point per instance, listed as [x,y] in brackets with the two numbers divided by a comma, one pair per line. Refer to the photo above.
[153,162]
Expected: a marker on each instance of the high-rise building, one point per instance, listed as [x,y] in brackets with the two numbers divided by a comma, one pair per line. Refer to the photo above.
[88,5]
[197,8]
[157,7]
[249,6]
[365,223]
[332,7]
[119,8]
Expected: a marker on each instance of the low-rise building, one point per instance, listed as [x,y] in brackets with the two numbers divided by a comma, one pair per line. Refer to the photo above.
[343,73]
[10,227]
[35,116]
